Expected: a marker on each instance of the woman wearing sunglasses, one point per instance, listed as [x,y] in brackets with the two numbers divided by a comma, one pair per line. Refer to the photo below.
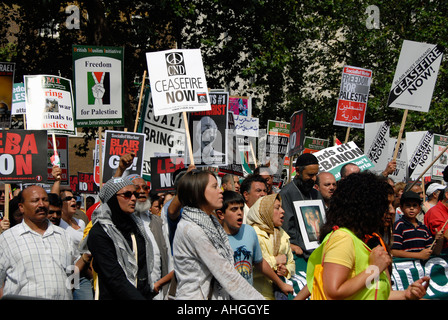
[203,258]
[122,253]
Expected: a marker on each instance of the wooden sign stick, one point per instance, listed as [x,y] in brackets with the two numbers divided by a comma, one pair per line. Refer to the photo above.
[187,132]
[397,146]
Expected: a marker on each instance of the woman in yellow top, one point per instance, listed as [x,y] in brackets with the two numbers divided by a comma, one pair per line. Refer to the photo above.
[350,269]
[266,216]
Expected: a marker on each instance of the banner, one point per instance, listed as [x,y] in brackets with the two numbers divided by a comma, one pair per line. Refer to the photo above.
[415,76]
[62,147]
[18,99]
[208,132]
[177,81]
[440,142]
[118,143]
[333,158]
[98,85]
[376,144]
[86,183]
[297,132]
[353,96]
[23,156]
[419,151]
[6,95]
[49,104]
[162,173]
[165,134]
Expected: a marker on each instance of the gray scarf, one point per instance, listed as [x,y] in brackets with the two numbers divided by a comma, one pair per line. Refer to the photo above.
[125,255]
[212,228]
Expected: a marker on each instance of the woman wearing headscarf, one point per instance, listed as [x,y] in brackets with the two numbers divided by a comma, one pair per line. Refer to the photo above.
[266,216]
[203,258]
[122,252]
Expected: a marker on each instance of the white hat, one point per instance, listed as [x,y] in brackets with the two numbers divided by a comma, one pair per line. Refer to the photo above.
[433,188]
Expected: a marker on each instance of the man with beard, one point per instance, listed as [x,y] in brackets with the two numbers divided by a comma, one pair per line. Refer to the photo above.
[36,256]
[163,269]
[301,188]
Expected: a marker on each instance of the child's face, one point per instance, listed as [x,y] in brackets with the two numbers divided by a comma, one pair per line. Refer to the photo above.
[233,217]
[411,209]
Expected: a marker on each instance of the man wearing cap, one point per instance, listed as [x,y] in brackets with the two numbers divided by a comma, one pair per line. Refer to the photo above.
[301,188]
[436,218]
[432,192]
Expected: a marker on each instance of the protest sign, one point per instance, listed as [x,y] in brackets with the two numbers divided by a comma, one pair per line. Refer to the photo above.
[74,183]
[98,85]
[165,134]
[415,76]
[376,144]
[6,88]
[233,154]
[297,132]
[23,155]
[353,96]
[177,81]
[419,147]
[18,99]
[163,168]
[333,158]
[240,106]
[440,143]
[86,183]
[400,173]
[62,149]
[49,104]
[246,126]
[118,143]
[208,132]
[311,145]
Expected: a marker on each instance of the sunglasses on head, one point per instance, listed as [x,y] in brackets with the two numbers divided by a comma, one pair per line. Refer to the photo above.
[69,198]
[128,194]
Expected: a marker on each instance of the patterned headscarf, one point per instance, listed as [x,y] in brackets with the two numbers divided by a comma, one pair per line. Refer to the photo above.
[261,215]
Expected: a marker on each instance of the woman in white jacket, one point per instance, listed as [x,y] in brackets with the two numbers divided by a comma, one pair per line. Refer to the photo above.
[203,258]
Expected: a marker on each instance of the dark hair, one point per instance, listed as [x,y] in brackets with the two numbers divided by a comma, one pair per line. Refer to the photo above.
[246,185]
[191,188]
[54,200]
[231,197]
[358,204]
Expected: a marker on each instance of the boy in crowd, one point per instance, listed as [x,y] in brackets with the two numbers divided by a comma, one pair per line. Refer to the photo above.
[412,239]
[244,241]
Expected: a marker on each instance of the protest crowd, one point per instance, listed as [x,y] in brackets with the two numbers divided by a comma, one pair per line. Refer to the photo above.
[220,237]
[340,224]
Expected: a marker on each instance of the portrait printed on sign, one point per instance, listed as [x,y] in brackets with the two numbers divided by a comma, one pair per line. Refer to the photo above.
[311,216]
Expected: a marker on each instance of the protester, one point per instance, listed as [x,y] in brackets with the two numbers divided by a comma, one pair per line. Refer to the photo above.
[230,182]
[266,172]
[156,205]
[122,253]
[252,188]
[347,262]
[300,188]
[398,189]
[436,218]
[37,257]
[266,217]
[203,258]
[349,168]
[432,192]
[15,215]
[326,185]
[412,239]
[55,208]
[244,242]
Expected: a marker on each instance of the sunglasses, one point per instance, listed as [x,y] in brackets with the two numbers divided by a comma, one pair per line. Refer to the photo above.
[128,194]
[68,198]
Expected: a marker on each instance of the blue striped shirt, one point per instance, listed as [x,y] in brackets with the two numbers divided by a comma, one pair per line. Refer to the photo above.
[411,238]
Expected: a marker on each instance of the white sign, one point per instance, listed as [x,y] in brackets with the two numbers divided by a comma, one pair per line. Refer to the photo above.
[376,144]
[419,153]
[415,76]
[177,81]
[246,126]
[49,104]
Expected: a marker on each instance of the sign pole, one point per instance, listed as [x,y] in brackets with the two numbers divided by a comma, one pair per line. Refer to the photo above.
[6,207]
[187,132]
[397,146]
[347,135]
[100,154]
[137,117]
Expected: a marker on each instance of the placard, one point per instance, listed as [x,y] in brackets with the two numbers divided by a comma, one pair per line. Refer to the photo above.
[7,70]
[163,169]
[297,132]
